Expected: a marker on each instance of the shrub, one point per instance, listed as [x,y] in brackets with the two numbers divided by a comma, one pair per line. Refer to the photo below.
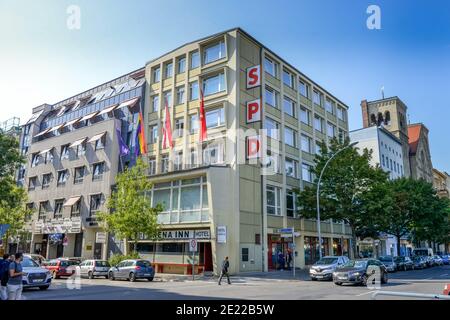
[116,258]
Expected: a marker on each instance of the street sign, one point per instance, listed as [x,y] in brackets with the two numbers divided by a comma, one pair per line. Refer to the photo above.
[285,230]
[221,234]
[100,237]
[193,245]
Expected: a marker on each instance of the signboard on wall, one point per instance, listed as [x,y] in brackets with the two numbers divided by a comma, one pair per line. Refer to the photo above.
[193,245]
[253,147]
[221,234]
[184,234]
[253,77]
[253,111]
[100,237]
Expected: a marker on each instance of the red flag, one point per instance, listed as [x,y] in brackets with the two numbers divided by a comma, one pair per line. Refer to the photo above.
[203,135]
[167,129]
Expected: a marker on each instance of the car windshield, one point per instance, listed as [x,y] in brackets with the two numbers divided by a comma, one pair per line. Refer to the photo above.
[356,264]
[325,260]
[386,259]
[101,263]
[143,263]
[29,263]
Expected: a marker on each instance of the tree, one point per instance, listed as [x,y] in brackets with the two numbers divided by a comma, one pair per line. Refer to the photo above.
[351,190]
[131,214]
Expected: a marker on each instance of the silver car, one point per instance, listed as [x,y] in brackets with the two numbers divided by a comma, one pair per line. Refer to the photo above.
[324,268]
[94,268]
[35,276]
[132,269]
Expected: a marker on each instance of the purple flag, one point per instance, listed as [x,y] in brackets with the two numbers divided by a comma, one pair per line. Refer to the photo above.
[123,148]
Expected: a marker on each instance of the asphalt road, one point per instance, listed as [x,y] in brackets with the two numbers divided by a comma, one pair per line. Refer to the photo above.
[431,280]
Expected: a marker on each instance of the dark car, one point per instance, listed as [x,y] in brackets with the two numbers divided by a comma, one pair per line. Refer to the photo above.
[358,271]
[404,263]
[132,269]
[419,262]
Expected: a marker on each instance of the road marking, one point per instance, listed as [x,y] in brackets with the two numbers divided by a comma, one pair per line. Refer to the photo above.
[443,275]
[363,294]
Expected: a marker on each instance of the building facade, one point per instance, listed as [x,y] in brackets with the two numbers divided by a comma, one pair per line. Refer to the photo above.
[214,190]
[11,127]
[419,153]
[441,182]
[72,159]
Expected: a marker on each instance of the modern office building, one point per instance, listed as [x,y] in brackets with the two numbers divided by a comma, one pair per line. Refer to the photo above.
[232,196]
[72,159]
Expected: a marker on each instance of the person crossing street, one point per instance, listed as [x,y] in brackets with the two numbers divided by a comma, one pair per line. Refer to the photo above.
[225,266]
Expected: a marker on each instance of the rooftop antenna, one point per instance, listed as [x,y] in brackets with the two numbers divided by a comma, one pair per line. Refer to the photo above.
[382,92]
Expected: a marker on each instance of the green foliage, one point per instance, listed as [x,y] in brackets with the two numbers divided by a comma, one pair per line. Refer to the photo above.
[131,213]
[116,258]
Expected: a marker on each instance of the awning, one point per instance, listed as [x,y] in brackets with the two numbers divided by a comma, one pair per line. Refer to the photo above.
[128,103]
[71,201]
[89,116]
[71,122]
[109,109]
[42,133]
[45,151]
[96,137]
[77,143]
[59,126]
[34,117]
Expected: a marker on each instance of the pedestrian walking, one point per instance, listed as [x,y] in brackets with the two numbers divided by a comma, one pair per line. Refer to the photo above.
[289,259]
[4,276]
[281,261]
[15,278]
[225,266]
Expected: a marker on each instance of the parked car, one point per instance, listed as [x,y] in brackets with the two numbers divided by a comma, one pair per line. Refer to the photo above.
[35,257]
[437,260]
[445,259]
[324,268]
[446,291]
[404,263]
[357,271]
[61,267]
[430,261]
[419,262]
[389,262]
[94,268]
[132,270]
[34,276]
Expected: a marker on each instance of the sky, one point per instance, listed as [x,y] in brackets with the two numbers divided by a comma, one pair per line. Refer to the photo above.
[44,61]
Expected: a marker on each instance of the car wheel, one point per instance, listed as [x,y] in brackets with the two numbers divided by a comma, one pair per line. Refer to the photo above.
[90,275]
[150,279]
[338,283]
[43,287]
[132,277]
[111,276]
[106,277]
[313,279]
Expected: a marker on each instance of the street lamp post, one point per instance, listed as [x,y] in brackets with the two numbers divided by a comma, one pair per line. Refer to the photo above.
[318,193]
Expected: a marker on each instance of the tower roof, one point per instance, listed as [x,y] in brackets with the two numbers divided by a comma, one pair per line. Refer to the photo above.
[414,131]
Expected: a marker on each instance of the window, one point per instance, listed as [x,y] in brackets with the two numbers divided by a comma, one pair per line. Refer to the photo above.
[178,163]
[42,213]
[214,84]
[193,158]
[290,167]
[155,103]
[81,149]
[30,210]
[318,148]
[58,210]
[290,137]
[306,143]
[168,70]
[168,98]
[290,203]
[289,106]
[95,204]
[390,161]
[98,170]
[382,160]
[49,156]
[317,98]
[213,154]
[331,130]
[305,116]
[341,113]
[272,128]
[156,74]
[304,89]
[329,106]
[180,95]
[79,175]
[100,143]
[318,123]
[193,90]
[65,152]
[306,172]
[152,166]
[181,64]
[271,97]
[215,118]
[244,254]
[214,52]
[75,210]
[46,180]
[270,67]
[32,182]
[273,205]
[195,60]
[153,133]
[193,123]
[165,163]
[288,78]
[179,127]
[35,159]
[62,177]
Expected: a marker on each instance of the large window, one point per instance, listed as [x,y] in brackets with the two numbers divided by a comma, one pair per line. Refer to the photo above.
[165,163]
[341,113]
[271,97]
[178,163]
[213,154]
[318,123]
[179,127]
[306,173]
[272,128]
[181,65]
[153,133]
[75,210]
[32,183]
[273,195]
[317,98]
[48,156]
[306,143]
[168,70]
[155,103]
[167,98]
[288,78]
[289,106]
[63,175]
[180,95]
[81,149]
[193,123]
[214,84]
[46,180]
[98,170]
[290,203]
[35,159]
[270,67]
[58,211]
[304,89]
[65,152]
[215,118]
[195,60]
[329,106]
[95,204]
[43,208]
[331,130]
[152,166]
[193,90]
[79,175]
[214,52]
[156,74]
[290,137]
[291,166]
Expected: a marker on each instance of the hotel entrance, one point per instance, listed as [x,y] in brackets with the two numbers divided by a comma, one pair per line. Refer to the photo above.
[277,245]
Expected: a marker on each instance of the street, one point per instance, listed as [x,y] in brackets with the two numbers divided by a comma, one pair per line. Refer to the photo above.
[272,286]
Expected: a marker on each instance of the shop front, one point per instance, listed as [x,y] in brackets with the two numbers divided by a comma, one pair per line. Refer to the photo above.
[278,246]
[311,249]
[171,253]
